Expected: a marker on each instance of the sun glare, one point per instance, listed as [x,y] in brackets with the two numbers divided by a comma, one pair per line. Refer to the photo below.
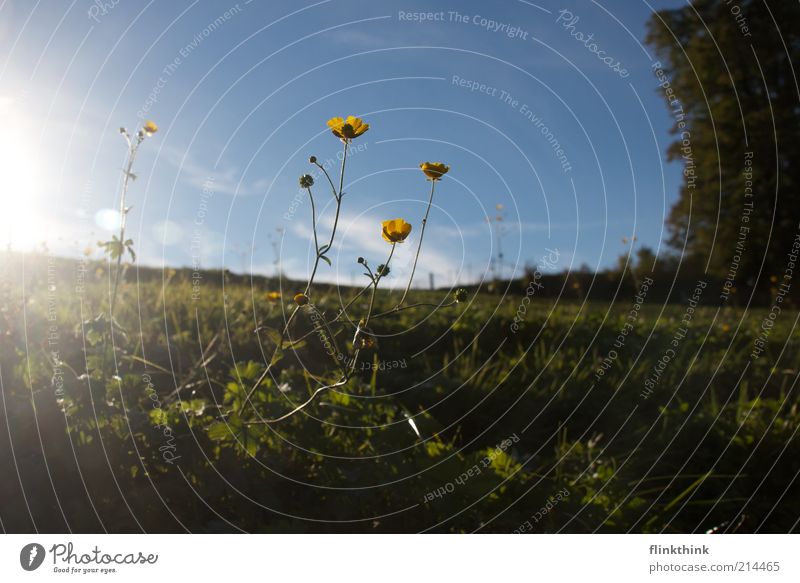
[20,182]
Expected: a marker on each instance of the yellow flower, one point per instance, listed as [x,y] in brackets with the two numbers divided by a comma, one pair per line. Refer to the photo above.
[274,296]
[395,230]
[150,127]
[347,129]
[434,170]
[301,299]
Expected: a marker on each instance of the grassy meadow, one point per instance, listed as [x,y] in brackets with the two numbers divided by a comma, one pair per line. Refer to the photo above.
[492,414]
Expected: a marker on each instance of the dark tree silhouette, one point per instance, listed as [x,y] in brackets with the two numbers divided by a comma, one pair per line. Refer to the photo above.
[727,72]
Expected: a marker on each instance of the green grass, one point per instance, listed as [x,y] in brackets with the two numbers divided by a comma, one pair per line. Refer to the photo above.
[508,420]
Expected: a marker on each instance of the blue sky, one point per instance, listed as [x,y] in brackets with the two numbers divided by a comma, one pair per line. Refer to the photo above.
[241,92]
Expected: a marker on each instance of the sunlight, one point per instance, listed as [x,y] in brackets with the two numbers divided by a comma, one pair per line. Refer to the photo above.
[20,181]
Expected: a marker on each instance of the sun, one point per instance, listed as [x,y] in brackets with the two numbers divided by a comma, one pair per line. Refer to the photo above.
[20,181]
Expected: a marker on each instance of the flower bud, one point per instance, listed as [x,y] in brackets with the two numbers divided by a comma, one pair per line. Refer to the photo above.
[306,181]
[460,295]
[312,160]
[301,299]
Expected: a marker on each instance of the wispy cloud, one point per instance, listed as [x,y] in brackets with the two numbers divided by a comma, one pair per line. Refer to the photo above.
[359,235]
[224,179]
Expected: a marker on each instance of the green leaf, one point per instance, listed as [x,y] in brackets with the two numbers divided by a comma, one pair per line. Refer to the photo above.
[219,431]
[296,345]
[271,334]
[247,436]
[233,394]
[194,407]
[129,247]
[159,417]
[276,357]
[249,370]
[340,398]
[114,248]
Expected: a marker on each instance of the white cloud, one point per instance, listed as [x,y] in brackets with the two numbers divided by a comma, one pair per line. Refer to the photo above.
[226,180]
[359,235]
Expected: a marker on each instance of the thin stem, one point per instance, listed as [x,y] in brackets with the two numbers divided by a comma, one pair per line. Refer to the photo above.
[335,222]
[381,314]
[348,373]
[132,149]
[316,243]
[375,285]
[344,163]
[328,176]
[419,245]
[299,408]
[375,281]
[278,346]
[285,331]
[338,197]
[320,325]
[409,307]
[371,275]
[343,310]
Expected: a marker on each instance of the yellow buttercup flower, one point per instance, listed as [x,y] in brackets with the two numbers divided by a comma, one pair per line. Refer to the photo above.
[347,129]
[434,170]
[150,127]
[395,230]
[274,296]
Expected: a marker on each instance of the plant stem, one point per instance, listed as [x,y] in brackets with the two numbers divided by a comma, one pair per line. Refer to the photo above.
[348,373]
[338,197]
[419,245]
[418,305]
[375,281]
[316,243]
[328,176]
[132,149]
[335,221]
[307,292]
[302,406]
[343,310]
[375,286]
